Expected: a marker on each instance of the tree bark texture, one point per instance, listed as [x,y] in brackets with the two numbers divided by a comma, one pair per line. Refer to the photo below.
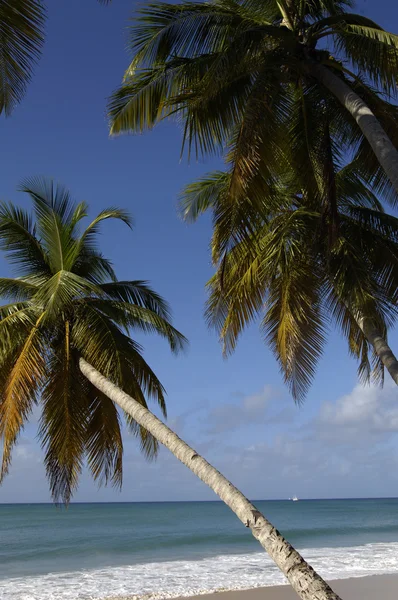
[385,151]
[302,577]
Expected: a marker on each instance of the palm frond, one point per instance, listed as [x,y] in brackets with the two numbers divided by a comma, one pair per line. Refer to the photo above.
[94,267]
[133,317]
[373,51]
[352,189]
[187,29]
[67,303]
[336,22]
[63,425]
[50,199]
[250,186]
[86,243]
[104,440]
[16,289]
[238,295]
[293,323]
[55,214]
[152,94]
[21,41]
[120,360]
[144,383]
[208,90]
[101,342]
[108,213]
[294,329]
[370,368]
[201,195]
[139,293]
[25,378]
[354,279]
[138,105]
[19,242]
[62,291]
[80,212]
[370,238]
[166,89]
[16,320]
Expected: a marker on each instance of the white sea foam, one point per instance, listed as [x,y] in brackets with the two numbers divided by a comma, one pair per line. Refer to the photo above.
[186,578]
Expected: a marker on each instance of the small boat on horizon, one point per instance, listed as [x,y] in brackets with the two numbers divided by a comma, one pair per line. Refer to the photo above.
[295,499]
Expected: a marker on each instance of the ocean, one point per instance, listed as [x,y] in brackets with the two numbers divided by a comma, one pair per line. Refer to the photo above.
[169,549]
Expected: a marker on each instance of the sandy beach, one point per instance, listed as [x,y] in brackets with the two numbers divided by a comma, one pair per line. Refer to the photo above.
[375,587]
[383,587]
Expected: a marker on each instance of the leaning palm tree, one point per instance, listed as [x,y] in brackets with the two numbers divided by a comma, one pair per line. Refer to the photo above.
[226,69]
[21,40]
[65,344]
[305,261]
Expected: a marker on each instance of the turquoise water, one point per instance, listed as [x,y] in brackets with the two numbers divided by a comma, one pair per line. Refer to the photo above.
[165,549]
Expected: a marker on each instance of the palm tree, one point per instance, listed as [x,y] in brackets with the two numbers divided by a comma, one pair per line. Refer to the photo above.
[310,257]
[67,303]
[64,343]
[21,40]
[227,68]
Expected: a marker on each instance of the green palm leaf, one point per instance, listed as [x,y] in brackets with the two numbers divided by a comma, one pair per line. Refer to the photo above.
[19,242]
[21,40]
[137,317]
[104,440]
[67,304]
[61,291]
[138,293]
[63,423]
[55,215]
[231,72]
[94,267]
[25,366]
[286,269]
[372,51]
[18,289]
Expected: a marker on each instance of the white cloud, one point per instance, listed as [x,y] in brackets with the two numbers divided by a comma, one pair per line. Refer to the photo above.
[255,409]
[364,411]
[347,449]
[257,403]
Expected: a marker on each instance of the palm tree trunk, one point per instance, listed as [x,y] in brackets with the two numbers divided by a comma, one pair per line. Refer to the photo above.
[382,349]
[385,151]
[387,156]
[304,580]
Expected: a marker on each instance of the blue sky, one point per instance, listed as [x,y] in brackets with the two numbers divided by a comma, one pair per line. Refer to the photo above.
[342,442]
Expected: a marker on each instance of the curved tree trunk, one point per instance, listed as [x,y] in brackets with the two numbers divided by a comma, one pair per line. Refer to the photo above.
[304,580]
[382,349]
[385,151]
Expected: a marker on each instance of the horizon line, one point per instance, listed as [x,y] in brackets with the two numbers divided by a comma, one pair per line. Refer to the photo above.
[50,503]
